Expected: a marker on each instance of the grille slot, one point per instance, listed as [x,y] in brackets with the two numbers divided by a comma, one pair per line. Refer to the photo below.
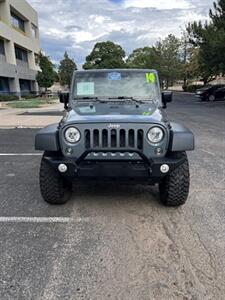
[105,138]
[87,138]
[131,138]
[122,138]
[114,138]
[140,135]
[96,138]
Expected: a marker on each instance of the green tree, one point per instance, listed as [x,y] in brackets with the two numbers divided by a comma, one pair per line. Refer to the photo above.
[143,58]
[209,38]
[105,55]
[170,61]
[46,76]
[66,68]
[165,57]
[186,53]
[56,76]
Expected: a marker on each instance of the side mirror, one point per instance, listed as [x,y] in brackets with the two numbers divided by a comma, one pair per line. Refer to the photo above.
[166,98]
[64,98]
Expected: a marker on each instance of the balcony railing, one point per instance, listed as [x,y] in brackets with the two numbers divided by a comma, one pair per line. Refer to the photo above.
[13,27]
[22,63]
[18,29]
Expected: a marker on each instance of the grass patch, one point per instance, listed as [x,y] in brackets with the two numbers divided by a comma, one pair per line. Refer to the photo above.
[8,98]
[30,103]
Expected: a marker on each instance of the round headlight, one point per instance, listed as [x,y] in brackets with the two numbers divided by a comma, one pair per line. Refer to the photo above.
[155,135]
[72,135]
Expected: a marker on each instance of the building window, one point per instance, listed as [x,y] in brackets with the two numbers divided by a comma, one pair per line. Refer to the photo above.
[34,30]
[4,85]
[17,22]
[37,59]
[21,54]
[25,86]
[2,47]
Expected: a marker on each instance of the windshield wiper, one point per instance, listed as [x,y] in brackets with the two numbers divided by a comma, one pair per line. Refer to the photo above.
[89,98]
[128,98]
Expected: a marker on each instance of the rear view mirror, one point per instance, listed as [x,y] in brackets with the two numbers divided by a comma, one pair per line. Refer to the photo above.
[64,98]
[166,98]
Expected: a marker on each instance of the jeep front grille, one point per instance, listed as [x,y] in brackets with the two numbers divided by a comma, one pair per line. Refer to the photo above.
[114,138]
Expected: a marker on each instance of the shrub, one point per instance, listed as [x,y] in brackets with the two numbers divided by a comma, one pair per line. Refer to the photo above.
[191,88]
[30,96]
[8,98]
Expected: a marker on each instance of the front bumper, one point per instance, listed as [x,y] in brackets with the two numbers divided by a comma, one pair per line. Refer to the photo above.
[143,170]
[200,96]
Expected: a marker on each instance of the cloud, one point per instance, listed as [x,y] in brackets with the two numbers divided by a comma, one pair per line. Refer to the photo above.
[73,27]
[76,25]
[158,4]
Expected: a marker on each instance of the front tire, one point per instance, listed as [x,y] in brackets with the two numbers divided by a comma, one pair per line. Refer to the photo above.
[212,98]
[54,188]
[174,188]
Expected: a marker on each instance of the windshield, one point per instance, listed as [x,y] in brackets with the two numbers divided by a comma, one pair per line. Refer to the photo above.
[205,87]
[117,84]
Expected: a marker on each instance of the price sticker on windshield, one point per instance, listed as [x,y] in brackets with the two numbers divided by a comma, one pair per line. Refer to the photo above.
[150,77]
[85,88]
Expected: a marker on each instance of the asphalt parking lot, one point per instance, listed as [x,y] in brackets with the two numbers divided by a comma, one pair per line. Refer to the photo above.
[115,242]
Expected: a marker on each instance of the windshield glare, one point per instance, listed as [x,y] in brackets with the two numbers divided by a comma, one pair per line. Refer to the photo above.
[113,84]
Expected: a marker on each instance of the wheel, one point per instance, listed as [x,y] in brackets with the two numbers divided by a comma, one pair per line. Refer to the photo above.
[212,98]
[54,188]
[174,188]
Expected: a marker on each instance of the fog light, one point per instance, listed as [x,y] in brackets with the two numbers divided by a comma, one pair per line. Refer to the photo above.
[69,150]
[158,151]
[62,168]
[164,168]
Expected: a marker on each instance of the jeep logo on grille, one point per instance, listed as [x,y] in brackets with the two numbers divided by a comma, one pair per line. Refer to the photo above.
[113,126]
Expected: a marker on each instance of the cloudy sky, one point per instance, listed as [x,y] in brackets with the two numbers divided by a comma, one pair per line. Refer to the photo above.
[76,25]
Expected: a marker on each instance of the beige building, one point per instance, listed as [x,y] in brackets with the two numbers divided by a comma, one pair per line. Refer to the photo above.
[19,46]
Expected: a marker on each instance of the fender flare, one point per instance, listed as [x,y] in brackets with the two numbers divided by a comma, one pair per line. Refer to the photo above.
[47,139]
[181,138]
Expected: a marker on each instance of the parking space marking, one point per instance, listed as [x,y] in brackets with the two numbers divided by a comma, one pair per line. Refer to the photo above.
[21,154]
[38,220]
[208,152]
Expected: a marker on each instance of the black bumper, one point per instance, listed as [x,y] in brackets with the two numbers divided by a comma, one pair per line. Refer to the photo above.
[144,170]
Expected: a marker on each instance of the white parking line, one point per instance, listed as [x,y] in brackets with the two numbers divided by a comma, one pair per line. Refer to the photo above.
[21,154]
[38,220]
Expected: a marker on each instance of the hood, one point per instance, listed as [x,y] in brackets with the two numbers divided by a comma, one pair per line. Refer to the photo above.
[114,112]
[202,90]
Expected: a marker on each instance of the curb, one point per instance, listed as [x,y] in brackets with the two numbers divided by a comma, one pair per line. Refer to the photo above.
[20,127]
[184,93]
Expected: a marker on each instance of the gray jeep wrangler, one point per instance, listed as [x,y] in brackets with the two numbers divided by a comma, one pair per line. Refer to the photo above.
[114,128]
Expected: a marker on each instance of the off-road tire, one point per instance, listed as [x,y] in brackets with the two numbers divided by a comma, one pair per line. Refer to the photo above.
[54,188]
[174,188]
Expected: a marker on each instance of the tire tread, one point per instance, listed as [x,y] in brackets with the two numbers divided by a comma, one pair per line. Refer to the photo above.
[54,188]
[174,188]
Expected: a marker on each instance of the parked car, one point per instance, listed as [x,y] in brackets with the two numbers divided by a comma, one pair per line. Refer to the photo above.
[220,94]
[208,92]
[114,128]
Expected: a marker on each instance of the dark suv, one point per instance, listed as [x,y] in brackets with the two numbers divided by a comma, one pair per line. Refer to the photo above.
[115,128]
[208,92]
